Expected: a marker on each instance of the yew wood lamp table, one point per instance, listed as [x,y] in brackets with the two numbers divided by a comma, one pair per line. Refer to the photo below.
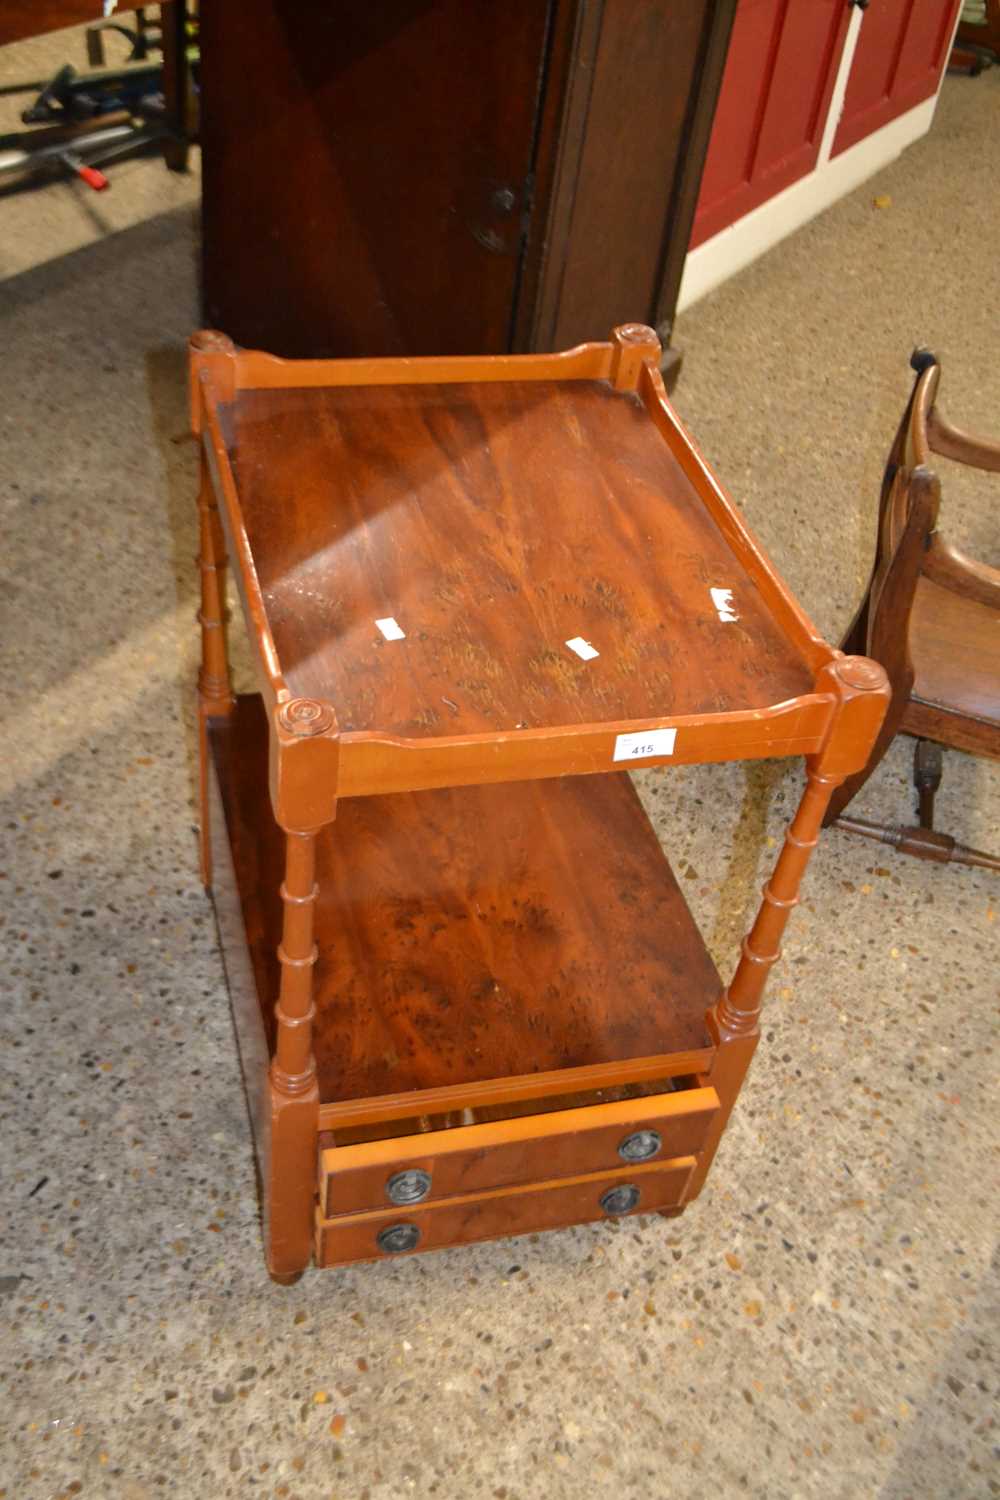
[469,996]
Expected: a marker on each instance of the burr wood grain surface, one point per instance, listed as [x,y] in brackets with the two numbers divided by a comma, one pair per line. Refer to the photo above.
[472,934]
[494,523]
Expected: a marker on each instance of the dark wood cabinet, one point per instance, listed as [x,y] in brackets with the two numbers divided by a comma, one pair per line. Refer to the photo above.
[451,176]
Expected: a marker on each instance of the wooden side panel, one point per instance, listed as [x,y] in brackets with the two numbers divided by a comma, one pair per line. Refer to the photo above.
[900,56]
[478,1158]
[955,643]
[357,160]
[637,63]
[776,91]
[462,1221]
[21,18]
[255,1055]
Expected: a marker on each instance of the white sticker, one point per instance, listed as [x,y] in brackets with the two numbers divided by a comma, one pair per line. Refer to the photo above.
[642,746]
[723,601]
[582,648]
[391,630]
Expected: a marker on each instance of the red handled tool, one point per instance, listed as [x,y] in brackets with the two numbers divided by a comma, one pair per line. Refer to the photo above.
[90,175]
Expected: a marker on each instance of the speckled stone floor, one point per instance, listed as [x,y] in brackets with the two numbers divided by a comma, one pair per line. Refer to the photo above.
[822,1323]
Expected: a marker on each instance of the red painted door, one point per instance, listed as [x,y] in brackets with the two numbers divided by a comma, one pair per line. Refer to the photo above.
[902,49]
[780,72]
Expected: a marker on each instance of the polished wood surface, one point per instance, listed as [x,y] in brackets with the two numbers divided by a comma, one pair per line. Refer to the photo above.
[353,1120]
[475,934]
[21,18]
[241,976]
[476,518]
[931,616]
[956,650]
[512,960]
[357,207]
[694,149]
[352,762]
[469,1218]
[429,176]
[477,1158]
[627,152]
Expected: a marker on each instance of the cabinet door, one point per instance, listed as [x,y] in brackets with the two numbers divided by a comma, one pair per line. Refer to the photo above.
[365,170]
[625,142]
[901,52]
[779,77]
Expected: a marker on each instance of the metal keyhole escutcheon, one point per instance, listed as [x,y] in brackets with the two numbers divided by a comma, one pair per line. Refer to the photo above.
[410,1186]
[620,1200]
[640,1145]
[397,1238]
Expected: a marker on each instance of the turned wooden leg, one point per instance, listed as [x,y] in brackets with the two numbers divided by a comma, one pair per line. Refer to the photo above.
[733,1021]
[738,1011]
[176,82]
[861,690]
[926,779]
[290,1168]
[215,694]
[924,841]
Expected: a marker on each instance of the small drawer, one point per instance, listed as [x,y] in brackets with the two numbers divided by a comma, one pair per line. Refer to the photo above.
[407,1170]
[506,1211]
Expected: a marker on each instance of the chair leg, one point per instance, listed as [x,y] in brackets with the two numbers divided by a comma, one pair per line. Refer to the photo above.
[926,779]
[923,843]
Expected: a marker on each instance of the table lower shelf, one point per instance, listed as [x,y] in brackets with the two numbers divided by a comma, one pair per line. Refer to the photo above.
[476,945]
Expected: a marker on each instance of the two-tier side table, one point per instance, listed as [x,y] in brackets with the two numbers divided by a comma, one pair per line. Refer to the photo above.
[469,997]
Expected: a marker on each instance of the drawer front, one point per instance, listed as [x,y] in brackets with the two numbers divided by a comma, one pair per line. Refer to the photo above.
[532,1148]
[507,1211]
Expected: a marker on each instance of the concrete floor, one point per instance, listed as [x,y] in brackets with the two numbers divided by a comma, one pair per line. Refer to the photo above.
[821,1324]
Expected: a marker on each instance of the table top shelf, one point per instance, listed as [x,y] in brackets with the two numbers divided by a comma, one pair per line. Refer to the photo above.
[475,934]
[477,519]
[537,563]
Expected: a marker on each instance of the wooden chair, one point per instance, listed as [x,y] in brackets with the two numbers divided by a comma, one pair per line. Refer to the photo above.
[931,617]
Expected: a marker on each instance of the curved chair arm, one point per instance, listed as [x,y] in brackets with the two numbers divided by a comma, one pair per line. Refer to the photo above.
[947,565]
[963,447]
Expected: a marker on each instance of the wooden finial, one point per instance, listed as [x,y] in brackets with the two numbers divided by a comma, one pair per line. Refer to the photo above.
[861,673]
[209,350]
[304,717]
[304,764]
[211,341]
[634,345]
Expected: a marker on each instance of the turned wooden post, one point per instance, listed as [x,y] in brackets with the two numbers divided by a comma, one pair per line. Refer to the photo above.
[304,758]
[293,1068]
[738,1011]
[290,1175]
[861,689]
